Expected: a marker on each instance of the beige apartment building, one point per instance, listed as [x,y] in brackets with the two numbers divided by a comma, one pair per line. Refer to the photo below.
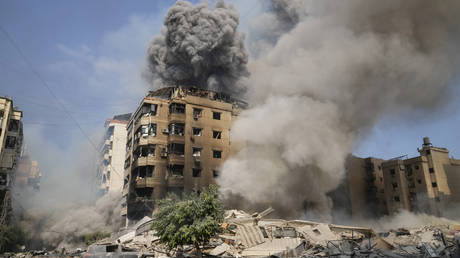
[10,151]
[28,174]
[177,140]
[426,183]
[113,149]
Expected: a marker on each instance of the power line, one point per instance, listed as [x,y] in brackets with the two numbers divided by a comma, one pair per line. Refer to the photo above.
[57,99]
[45,84]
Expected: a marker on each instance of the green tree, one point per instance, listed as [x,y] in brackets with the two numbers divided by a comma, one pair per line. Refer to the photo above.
[192,220]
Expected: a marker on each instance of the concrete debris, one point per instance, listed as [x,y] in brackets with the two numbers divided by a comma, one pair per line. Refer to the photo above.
[250,235]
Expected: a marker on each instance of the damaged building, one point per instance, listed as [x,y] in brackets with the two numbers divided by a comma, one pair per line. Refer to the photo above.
[177,140]
[10,150]
[112,155]
[429,183]
[28,174]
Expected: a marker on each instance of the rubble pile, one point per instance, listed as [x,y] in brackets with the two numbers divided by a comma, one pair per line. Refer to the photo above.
[250,235]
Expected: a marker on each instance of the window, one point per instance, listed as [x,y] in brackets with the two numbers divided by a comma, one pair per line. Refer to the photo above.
[428,152]
[419,181]
[394,185]
[396,198]
[176,129]
[217,154]
[437,199]
[176,170]
[13,126]
[10,142]
[196,152]
[177,108]
[416,167]
[108,175]
[197,113]
[392,171]
[217,134]
[431,170]
[149,109]
[215,173]
[216,115]
[145,171]
[176,148]
[197,131]
[196,172]
[434,184]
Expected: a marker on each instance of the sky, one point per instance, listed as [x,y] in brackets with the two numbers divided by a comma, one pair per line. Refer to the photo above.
[91,54]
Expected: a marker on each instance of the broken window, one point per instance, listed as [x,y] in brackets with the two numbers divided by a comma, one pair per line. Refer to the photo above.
[3,179]
[216,115]
[108,175]
[419,181]
[428,152]
[145,171]
[395,185]
[144,192]
[196,152]
[176,129]
[10,142]
[13,126]
[431,170]
[176,148]
[215,173]
[217,154]
[392,171]
[104,179]
[177,108]
[197,131]
[196,172]
[434,184]
[416,167]
[149,109]
[396,198]
[216,134]
[176,170]
[127,162]
[197,113]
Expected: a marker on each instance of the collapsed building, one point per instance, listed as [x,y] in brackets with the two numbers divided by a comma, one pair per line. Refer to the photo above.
[177,140]
[28,174]
[112,155]
[427,183]
[11,137]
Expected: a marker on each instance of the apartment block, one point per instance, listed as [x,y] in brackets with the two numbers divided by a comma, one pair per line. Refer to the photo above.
[427,183]
[112,150]
[177,140]
[10,150]
[28,174]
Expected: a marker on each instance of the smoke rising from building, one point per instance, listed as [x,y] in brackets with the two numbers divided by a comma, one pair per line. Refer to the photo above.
[199,47]
[322,79]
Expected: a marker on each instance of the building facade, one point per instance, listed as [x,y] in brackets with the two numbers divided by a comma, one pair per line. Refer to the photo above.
[426,183]
[11,137]
[177,140]
[28,174]
[112,150]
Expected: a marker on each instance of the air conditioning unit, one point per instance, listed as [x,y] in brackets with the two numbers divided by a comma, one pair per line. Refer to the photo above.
[166,131]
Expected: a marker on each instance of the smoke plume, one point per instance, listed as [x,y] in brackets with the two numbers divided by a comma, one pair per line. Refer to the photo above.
[199,47]
[325,73]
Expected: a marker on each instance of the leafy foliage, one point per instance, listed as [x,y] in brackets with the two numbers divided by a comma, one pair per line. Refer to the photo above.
[94,237]
[192,220]
[11,238]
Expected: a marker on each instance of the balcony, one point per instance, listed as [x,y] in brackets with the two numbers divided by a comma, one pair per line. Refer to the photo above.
[145,182]
[176,158]
[175,181]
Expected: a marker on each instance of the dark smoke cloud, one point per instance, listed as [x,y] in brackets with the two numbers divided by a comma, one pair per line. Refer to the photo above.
[323,77]
[199,47]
